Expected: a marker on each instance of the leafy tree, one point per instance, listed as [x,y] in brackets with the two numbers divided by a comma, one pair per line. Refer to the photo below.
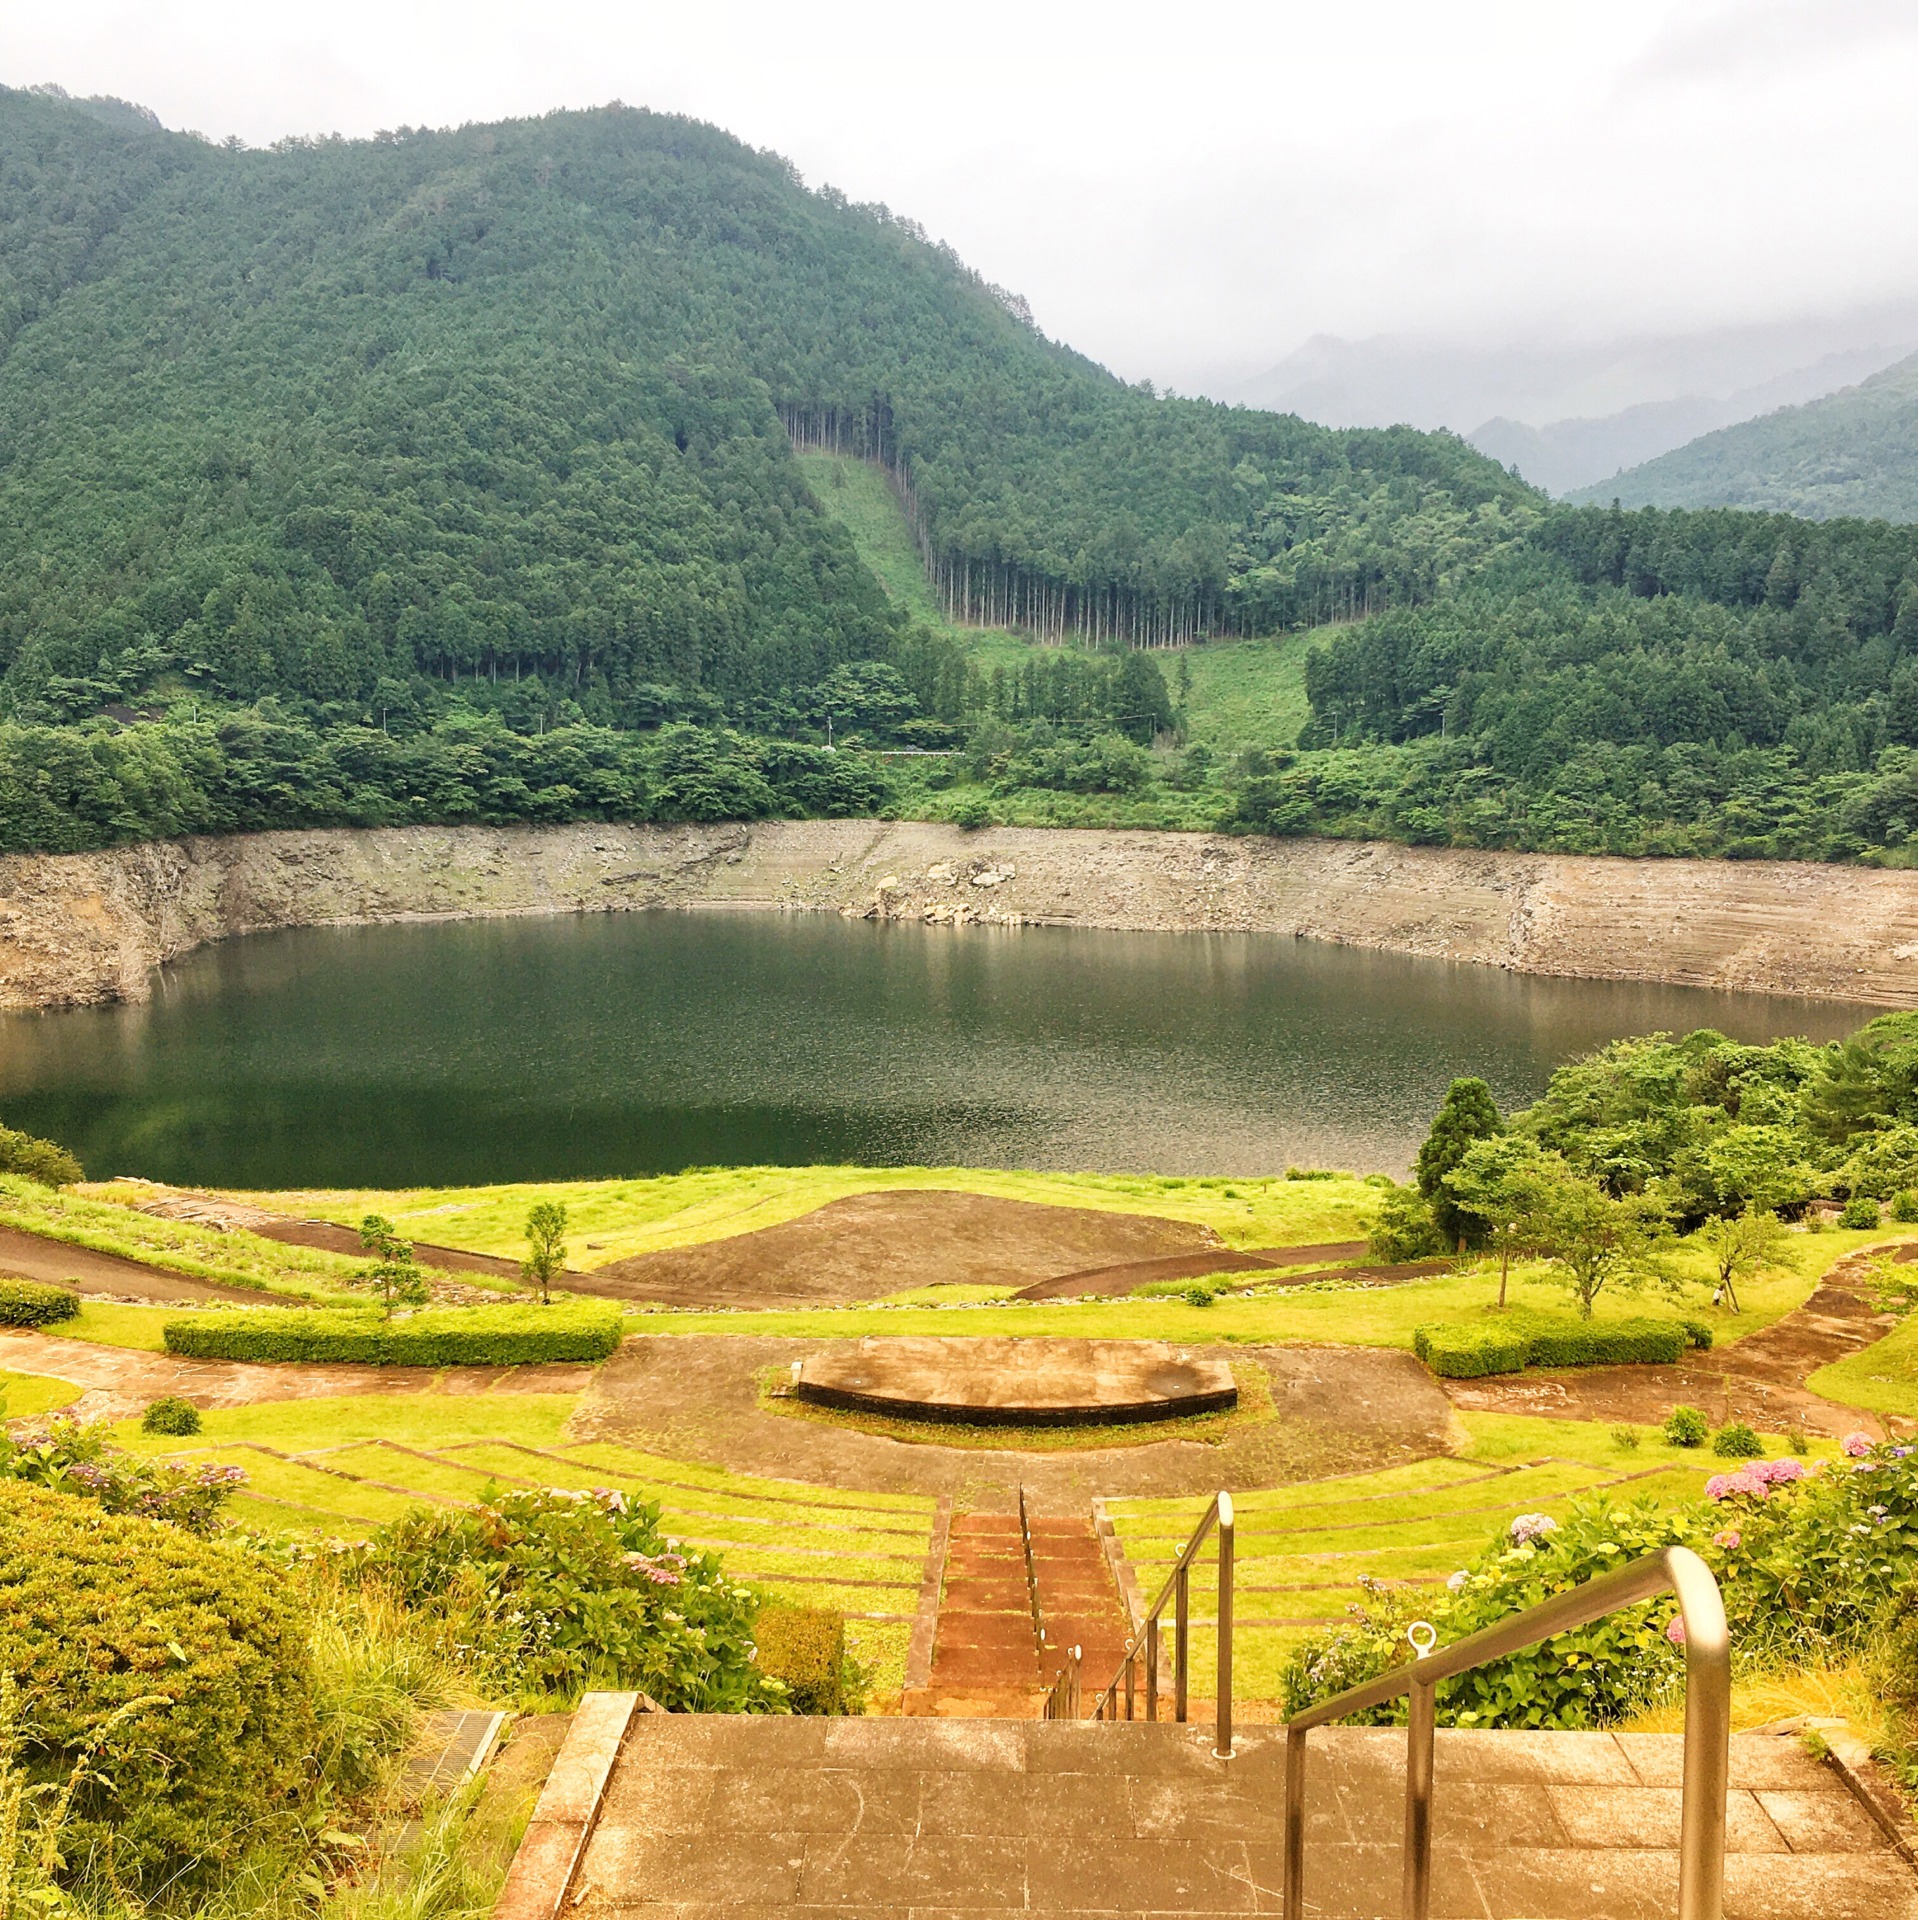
[394,1275]
[1504,1182]
[1742,1246]
[1467,1114]
[1404,1228]
[545,1247]
[1598,1240]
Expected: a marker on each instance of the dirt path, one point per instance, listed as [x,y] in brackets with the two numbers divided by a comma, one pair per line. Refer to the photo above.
[872,1244]
[1338,1410]
[120,1382]
[1115,1282]
[30,1256]
[1759,1379]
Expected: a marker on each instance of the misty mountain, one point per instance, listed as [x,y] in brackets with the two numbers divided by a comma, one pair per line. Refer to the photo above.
[1570,415]
[1853,453]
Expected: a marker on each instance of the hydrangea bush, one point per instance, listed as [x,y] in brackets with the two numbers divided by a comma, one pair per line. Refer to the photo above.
[549,1593]
[73,1456]
[1823,1556]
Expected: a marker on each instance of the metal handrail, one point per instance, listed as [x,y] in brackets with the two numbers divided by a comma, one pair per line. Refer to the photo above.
[1032,1580]
[1708,1709]
[1062,1697]
[1145,1642]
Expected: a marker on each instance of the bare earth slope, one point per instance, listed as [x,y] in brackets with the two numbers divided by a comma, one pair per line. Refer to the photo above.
[86,927]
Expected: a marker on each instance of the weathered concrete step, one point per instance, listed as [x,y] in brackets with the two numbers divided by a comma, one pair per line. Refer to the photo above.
[850,1819]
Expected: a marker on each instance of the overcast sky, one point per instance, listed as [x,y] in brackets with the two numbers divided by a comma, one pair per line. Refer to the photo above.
[1180,190]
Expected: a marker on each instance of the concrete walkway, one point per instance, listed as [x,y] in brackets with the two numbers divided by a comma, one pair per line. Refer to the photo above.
[704,1817]
[120,1382]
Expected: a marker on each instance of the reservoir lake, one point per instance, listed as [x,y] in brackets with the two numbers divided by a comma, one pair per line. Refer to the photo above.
[610,1044]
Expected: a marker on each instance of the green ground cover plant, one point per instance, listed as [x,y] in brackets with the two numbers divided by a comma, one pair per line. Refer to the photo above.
[104,1220]
[1513,1341]
[432,1337]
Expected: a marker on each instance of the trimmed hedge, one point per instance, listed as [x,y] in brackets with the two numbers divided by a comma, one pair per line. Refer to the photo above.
[31,1303]
[1472,1350]
[805,1647]
[438,1337]
[100,1612]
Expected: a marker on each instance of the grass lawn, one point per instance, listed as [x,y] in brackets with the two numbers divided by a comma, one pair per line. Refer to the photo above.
[359,1462]
[611,1220]
[1883,1377]
[25,1396]
[1246,693]
[104,1219]
[855,493]
[1333,1314]
[116,1326]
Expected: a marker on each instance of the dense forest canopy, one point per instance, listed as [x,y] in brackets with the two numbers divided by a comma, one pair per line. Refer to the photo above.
[455,475]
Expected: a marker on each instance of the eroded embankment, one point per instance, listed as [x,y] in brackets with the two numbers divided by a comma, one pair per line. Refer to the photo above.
[85,927]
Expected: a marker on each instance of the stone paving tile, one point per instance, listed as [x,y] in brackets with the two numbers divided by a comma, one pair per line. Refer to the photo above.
[664,1799]
[1147,1876]
[1757,1760]
[1811,1887]
[1465,1814]
[1632,1817]
[928,1745]
[763,1867]
[1358,1883]
[816,1800]
[1523,1883]
[1517,1757]
[1170,1810]
[954,1870]
[1827,1821]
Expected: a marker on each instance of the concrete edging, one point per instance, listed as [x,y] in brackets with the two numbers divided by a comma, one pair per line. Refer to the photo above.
[541,1875]
[1851,1760]
[931,1585]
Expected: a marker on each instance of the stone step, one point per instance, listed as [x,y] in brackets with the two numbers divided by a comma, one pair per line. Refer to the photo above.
[722,1817]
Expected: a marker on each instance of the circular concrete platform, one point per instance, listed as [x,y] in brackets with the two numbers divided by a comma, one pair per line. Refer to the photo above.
[1018,1383]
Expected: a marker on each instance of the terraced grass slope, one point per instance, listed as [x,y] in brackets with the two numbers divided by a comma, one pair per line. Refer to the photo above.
[863,1554]
[1301,1551]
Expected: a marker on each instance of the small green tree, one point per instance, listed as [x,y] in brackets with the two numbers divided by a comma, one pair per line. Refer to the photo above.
[1504,1182]
[1598,1241]
[395,1275]
[1466,1115]
[545,1247]
[1742,1246]
[1403,1229]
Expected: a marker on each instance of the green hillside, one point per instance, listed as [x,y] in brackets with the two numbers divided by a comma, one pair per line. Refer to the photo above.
[592,467]
[1851,453]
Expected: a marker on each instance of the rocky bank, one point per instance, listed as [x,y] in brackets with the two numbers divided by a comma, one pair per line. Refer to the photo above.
[90,927]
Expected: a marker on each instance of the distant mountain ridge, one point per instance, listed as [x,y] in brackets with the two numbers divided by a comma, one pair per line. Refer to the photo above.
[1851,454]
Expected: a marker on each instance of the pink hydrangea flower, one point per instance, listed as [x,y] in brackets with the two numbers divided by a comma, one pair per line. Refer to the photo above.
[1779,1473]
[1721,1486]
[1857,1445]
[1729,1538]
[1675,1633]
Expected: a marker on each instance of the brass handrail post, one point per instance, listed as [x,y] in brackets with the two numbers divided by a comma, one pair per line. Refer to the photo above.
[1416,1898]
[1181,1642]
[1222,1747]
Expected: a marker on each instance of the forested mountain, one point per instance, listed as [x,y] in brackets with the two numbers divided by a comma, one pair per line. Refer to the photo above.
[464,475]
[1854,452]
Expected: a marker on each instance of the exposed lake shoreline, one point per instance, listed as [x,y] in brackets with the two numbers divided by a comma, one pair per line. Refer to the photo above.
[81,928]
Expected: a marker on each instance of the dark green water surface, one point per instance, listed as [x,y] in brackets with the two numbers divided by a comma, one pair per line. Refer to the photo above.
[646,1042]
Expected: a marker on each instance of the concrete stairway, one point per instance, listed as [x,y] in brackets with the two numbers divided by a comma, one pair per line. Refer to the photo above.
[710,1818]
[984,1661]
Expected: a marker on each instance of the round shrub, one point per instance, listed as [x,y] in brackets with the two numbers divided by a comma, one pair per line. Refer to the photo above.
[1860,1211]
[1904,1205]
[1686,1427]
[1197,1296]
[31,1303]
[171,1414]
[179,1666]
[1737,1441]
[1625,1437]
